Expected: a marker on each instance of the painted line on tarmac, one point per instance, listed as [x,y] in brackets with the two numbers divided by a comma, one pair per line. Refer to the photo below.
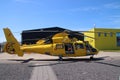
[43,73]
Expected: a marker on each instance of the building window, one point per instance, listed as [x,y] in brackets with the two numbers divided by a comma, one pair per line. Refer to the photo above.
[111,34]
[118,38]
[99,34]
[105,34]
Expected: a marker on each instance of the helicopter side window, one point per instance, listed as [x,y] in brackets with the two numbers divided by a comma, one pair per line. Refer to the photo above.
[59,46]
[88,46]
[79,46]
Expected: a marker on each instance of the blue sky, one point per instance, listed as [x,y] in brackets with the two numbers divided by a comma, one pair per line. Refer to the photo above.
[21,15]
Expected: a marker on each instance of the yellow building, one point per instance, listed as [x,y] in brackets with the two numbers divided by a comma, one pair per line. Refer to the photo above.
[104,39]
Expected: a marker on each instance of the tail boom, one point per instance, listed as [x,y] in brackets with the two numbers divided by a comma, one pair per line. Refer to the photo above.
[12,46]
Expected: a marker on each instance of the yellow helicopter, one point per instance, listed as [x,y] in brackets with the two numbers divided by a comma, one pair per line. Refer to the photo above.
[62,46]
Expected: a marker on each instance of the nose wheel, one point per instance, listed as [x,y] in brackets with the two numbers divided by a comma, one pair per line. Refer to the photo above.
[60,58]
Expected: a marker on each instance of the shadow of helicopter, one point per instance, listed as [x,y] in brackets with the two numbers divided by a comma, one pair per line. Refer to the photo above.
[64,60]
[99,60]
[68,60]
[72,60]
[106,63]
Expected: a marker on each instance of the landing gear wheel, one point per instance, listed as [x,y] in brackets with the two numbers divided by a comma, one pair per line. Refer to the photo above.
[91,57]
[60,58]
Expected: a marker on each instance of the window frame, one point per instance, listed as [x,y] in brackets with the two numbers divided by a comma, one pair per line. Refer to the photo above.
[99,34]
[105,34]
[79,46]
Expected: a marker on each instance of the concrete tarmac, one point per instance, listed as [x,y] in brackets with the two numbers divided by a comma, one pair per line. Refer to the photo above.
[105,66]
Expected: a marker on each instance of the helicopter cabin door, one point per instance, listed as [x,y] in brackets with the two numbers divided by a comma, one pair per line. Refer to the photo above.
[80,49]
[69,48]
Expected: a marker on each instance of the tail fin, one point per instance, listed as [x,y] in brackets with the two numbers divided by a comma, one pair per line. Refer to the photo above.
[12,46]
